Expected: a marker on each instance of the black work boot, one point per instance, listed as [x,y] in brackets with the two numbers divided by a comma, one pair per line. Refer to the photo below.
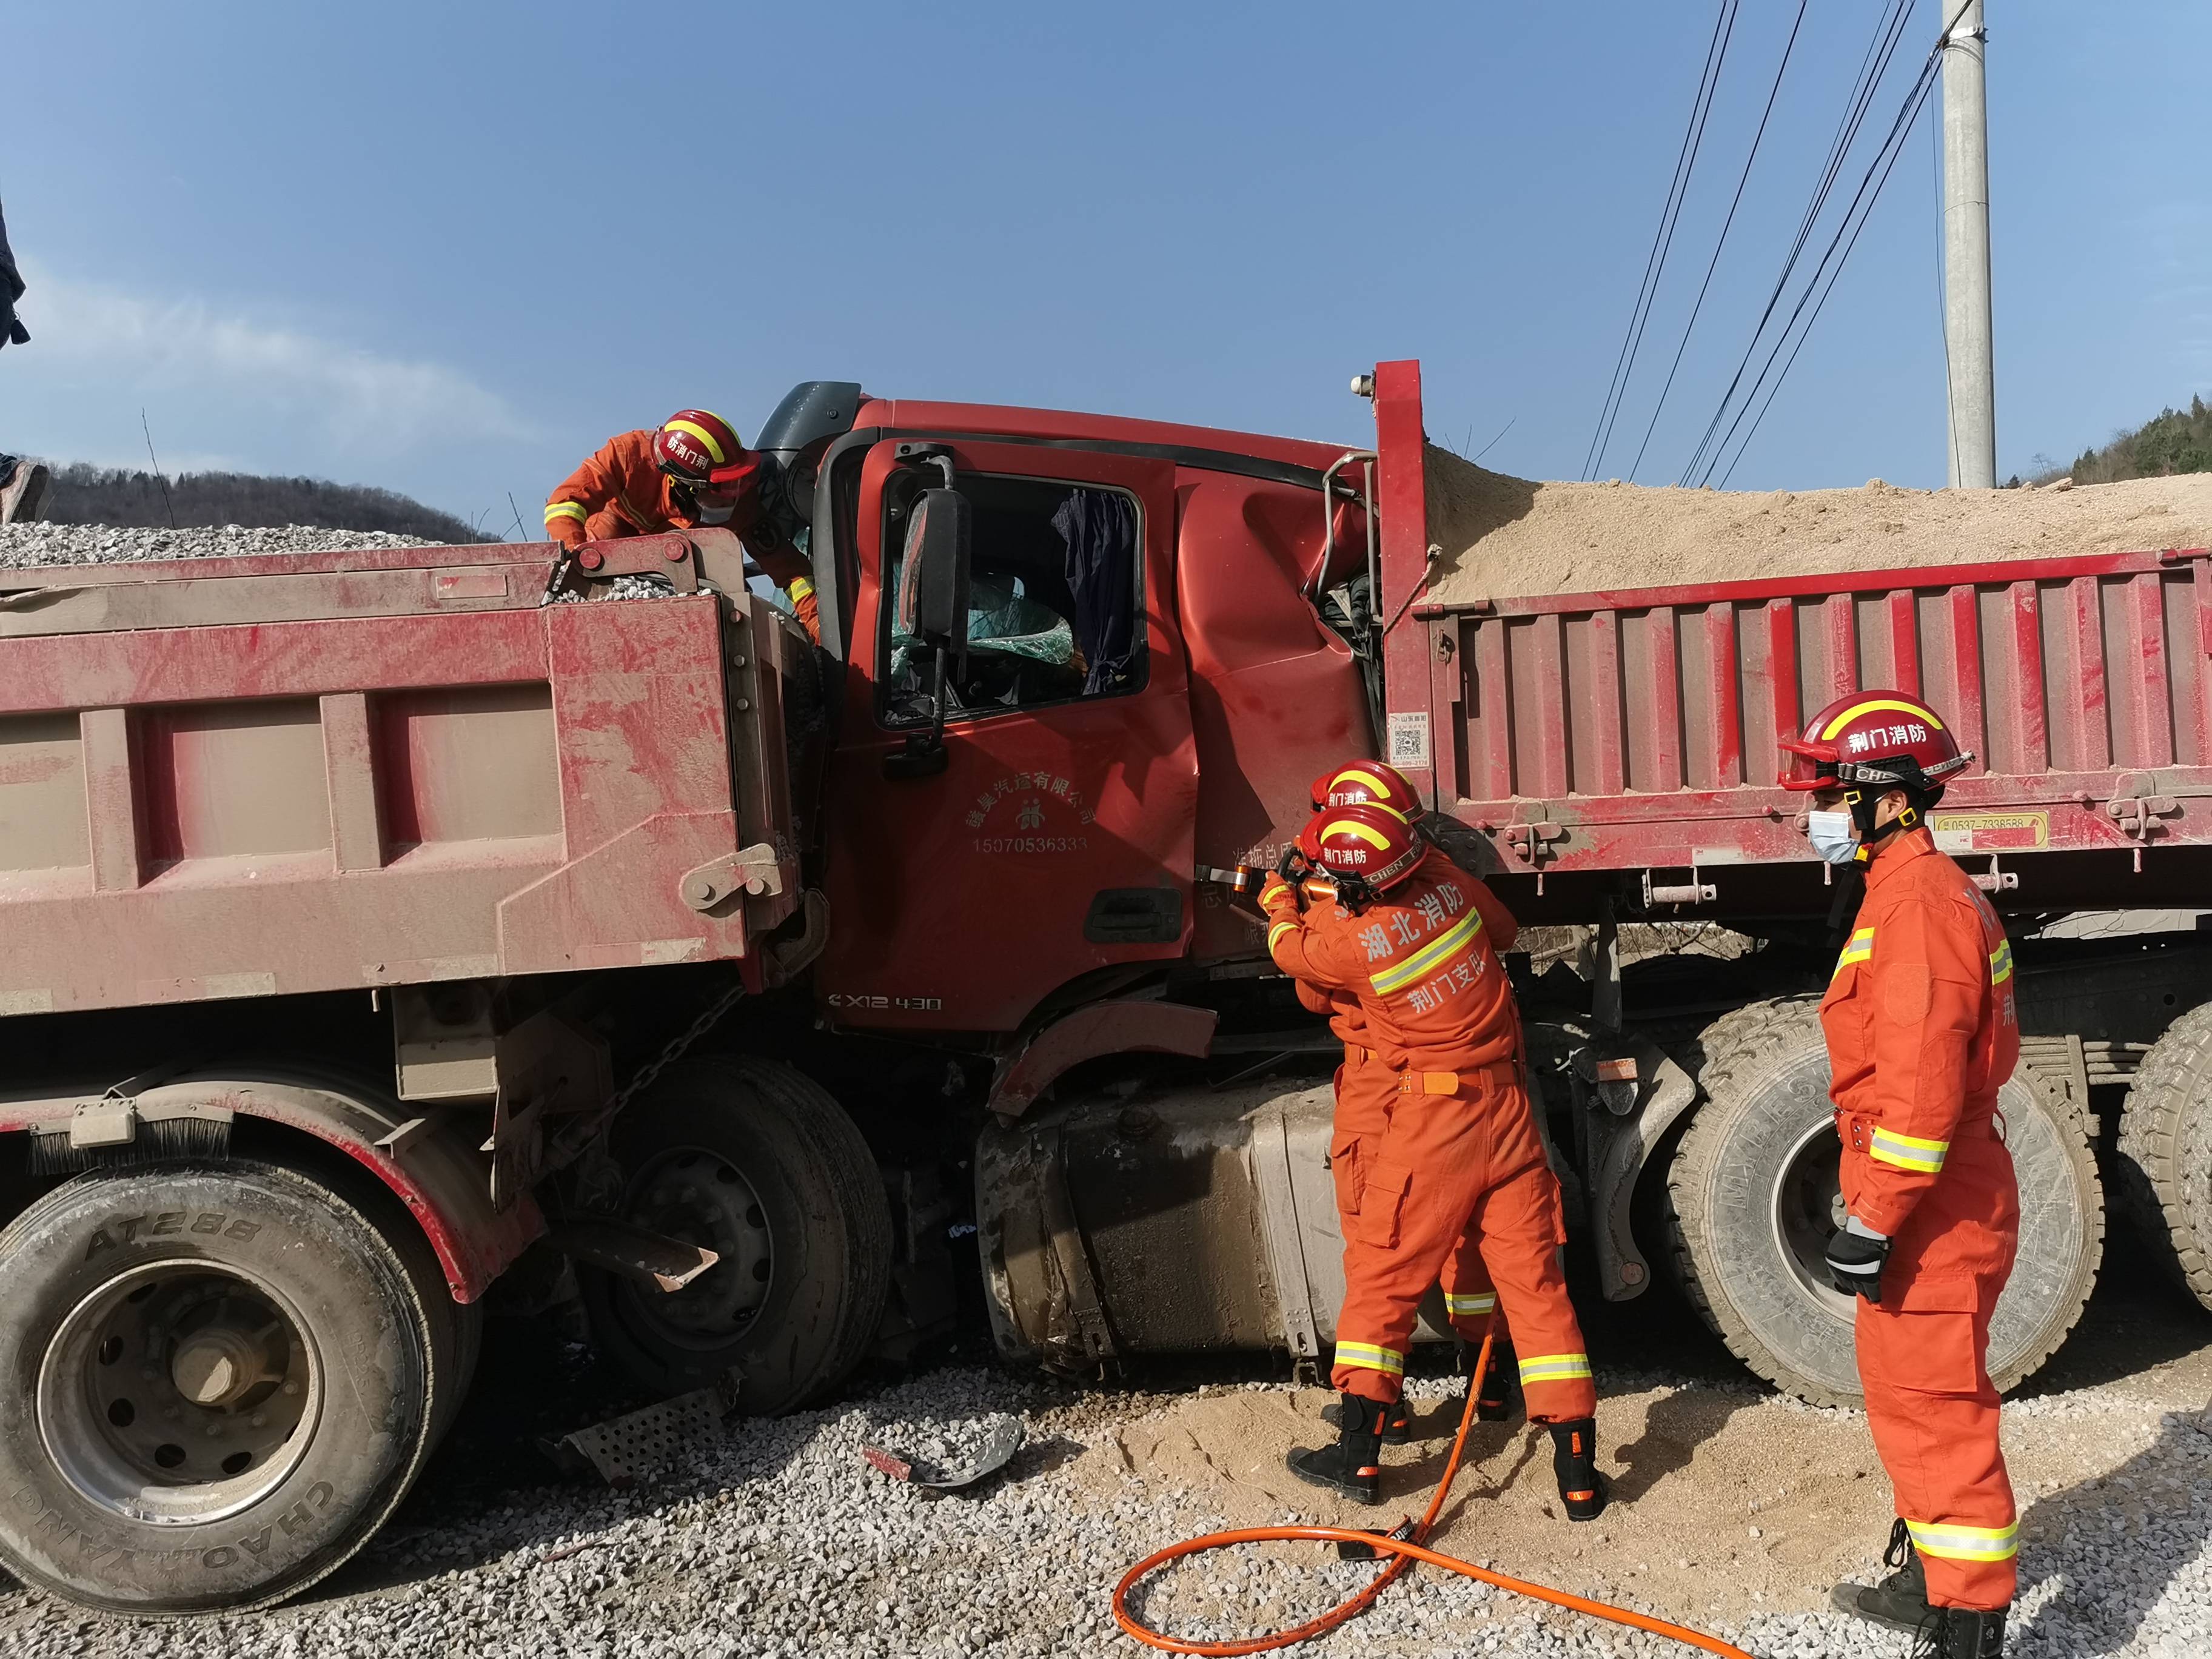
[1397,1421]
[1574,1460]
[1900,1600]
[1495,1404]
[1961,1633]
[1353,1465]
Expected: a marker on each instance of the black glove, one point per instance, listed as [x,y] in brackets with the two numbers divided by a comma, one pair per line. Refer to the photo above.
[1294,867]
[1855,1258]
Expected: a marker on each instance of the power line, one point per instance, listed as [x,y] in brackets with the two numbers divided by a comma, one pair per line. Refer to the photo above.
[1713,265]
[1870,189]
[1817,309]
[1873,68]
[1685,161]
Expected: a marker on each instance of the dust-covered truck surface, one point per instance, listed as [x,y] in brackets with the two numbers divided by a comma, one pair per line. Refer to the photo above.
[381,943]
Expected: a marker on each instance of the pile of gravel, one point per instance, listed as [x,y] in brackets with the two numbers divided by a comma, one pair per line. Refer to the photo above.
[781,1540]
[35,544]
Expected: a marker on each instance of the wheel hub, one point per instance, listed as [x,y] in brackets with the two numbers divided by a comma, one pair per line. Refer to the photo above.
[1808,1206]
[178,1393]
[697,1195]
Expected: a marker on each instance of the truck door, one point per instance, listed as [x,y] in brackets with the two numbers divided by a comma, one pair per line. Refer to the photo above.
[1057,841]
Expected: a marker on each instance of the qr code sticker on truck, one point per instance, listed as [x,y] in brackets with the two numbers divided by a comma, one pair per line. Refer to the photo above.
[1409,740]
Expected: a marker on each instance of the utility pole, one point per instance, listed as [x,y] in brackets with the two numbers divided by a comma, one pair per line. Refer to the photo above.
[1966,329]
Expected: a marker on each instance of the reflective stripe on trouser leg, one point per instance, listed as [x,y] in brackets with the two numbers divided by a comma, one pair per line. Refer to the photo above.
[1470,1299]
[1518,1223]
[1938,1443]
[1370,1357]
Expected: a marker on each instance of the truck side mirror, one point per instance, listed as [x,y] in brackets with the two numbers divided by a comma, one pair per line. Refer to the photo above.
[933,610]
[932,600]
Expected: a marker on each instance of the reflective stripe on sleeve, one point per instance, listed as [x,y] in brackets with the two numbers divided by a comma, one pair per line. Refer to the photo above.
[1429,957]
[1276,932]
[1857,949]
[565,510]
[1554,1367]
[2001,963]
[800,588]
[1371,1357]
[1954,1542]
[1484,1303]
[1909,1152]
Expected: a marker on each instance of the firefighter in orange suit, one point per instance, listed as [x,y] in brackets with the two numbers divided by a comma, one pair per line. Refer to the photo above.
[1921,1034]
[692,470]
[1366,1090]
[1458,1174]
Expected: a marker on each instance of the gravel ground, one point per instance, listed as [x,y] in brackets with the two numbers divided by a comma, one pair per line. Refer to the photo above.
[781,1540]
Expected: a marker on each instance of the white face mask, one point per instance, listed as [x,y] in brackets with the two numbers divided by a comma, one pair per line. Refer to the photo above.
[1833,835]
[716,512]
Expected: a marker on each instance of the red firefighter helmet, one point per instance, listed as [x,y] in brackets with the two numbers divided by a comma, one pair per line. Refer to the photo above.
[1367,782]
[1873,737]
[696,445]
[1368,843]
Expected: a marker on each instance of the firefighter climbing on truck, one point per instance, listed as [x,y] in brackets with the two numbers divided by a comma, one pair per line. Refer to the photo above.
[1457,1182]
[1922,1033]
[693,469]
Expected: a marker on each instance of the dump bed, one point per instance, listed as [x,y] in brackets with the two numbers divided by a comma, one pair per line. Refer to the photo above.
[247,776]
[1605,736]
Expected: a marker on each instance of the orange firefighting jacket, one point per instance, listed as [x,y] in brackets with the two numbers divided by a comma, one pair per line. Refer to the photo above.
[1921,1028]
[1424,961]
[620,490]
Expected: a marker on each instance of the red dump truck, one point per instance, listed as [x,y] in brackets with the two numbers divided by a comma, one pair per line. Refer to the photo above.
[379,941]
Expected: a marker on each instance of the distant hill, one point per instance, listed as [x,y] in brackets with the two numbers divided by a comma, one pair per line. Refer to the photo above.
[81,493]
[2177,441]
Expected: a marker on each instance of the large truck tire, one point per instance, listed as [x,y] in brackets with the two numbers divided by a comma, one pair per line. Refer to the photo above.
[216,1382]
[757,1162]
[2166,1151]
[1753,1196]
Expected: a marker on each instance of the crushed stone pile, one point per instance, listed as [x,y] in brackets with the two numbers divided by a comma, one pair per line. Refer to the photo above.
[1504,536]
[36,543]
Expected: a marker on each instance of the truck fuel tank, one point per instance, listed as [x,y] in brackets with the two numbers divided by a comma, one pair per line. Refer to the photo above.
[1164,1221]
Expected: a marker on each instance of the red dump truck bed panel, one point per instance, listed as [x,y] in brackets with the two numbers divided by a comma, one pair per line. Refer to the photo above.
[1613,733]
[1638,729]
[356,797]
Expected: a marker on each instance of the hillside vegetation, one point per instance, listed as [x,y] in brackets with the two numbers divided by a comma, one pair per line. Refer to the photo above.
[81,493]
[2178,440]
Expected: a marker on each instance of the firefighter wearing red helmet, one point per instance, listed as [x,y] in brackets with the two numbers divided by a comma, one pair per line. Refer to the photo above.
[1456,1179]
[1377,783]
[692,469]
[1921,1034]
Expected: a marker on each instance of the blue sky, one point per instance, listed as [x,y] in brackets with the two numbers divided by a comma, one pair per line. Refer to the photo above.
[447,248]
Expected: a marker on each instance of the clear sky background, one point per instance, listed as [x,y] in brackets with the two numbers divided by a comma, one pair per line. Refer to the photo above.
[449,247]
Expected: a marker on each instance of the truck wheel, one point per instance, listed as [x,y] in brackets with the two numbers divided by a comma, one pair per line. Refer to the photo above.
[2165,1151]
[1753,1193]
[757,1162]
[216,1382]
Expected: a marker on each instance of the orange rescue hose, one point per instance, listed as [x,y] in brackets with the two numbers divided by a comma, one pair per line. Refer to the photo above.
[1407,1552]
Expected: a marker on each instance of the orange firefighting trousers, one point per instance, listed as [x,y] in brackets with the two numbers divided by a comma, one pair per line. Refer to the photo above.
[1455,1187]
[1366,1092]
[1923,1355]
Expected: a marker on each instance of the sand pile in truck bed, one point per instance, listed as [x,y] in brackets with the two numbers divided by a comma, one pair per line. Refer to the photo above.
[1504,536]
